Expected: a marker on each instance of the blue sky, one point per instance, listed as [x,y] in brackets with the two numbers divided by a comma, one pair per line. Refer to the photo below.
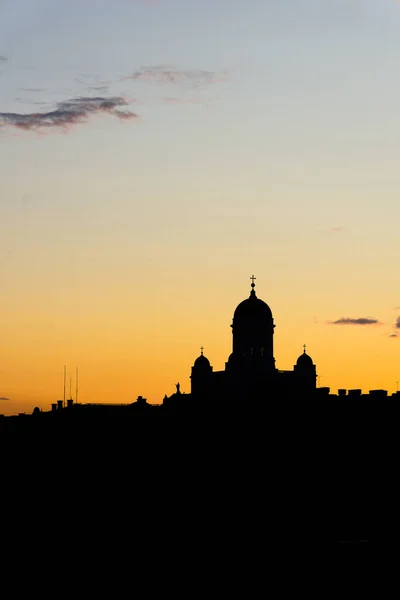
[263,136]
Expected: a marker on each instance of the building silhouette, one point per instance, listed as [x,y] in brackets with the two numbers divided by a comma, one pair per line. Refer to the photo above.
[250,370]
[250,377]
[250,373]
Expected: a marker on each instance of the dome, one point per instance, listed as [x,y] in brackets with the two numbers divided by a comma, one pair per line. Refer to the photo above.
[252,308]
[201,361]
[304,360]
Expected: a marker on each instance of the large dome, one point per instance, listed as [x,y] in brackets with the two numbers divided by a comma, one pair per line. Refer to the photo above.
[304,360]
[253,308]
[201,361]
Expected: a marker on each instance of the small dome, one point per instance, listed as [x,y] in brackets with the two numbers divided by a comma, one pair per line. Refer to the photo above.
[304,360]
[253,308]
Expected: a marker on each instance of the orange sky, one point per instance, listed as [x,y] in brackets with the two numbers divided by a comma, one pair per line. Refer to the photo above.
[147,345]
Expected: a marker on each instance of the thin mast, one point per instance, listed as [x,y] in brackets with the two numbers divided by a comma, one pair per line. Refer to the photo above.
[65,375]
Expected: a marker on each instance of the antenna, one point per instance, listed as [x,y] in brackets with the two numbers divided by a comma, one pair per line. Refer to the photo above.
[76,383]
[70,388]
[65,374]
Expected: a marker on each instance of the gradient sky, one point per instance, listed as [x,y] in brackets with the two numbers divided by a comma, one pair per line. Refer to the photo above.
[154,154]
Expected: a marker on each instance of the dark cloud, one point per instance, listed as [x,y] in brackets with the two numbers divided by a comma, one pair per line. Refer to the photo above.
[393,335]
[4,398]
[164,74]
[67,113]
[397,324]
[357,321]
[3,58]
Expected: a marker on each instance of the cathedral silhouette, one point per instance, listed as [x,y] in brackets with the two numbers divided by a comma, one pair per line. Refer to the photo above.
[250,371]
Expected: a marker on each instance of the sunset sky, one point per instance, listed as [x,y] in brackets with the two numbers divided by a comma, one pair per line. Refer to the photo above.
[155,154]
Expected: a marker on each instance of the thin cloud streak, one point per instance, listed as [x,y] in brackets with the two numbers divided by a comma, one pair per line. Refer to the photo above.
[7,399]
[98,88]
[355,321]
[397,324]
[70,112]
[94,83]
[163,74]
[338,229]
[171,100]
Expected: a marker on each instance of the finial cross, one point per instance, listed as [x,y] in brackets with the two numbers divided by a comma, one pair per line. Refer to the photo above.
[201,348]
[253,280]
[304,346]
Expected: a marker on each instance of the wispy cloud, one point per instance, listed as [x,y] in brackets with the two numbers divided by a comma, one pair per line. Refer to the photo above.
[336,229]
[93,83]
[3,58]
[172,100]
[163,74]
[96,99]
[194,100]
[355,321]
[393,335]
[70,112]
[98,88]
[4,398]
[397,324]
[31,102]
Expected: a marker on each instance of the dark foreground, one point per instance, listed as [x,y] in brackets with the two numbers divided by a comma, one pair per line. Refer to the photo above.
[293,477]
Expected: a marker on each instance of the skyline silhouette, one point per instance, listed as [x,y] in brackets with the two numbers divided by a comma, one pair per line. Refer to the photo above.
[253,331]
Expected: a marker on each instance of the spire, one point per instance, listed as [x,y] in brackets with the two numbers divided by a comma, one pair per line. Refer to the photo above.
[201,349]
[304,346]
[253,285]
